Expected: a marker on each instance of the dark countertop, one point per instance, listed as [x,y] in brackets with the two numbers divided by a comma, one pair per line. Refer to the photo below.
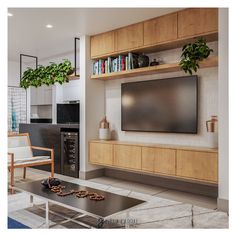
[72,125]
[48,135]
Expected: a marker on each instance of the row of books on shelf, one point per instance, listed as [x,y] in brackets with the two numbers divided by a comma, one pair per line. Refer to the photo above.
[109,65]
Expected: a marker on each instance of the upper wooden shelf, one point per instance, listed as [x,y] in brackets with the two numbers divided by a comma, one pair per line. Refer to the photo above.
[162,46]
[164,68]
[74,77]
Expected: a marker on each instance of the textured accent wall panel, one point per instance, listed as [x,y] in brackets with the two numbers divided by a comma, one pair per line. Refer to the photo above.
[17,103]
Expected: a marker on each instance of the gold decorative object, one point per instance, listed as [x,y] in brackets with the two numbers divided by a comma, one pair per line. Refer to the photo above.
[212,124]
[104,131]
[104,124]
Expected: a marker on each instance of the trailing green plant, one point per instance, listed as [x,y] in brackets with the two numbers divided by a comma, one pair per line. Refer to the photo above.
[192,54]
[49,75]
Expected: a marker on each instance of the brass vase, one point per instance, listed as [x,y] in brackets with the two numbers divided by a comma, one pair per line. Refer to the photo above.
[212,130]
[212,124]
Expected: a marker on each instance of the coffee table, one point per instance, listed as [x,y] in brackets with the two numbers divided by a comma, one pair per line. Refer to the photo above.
[101,210]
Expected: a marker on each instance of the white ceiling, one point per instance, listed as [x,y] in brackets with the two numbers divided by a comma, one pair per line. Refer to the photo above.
[27,32]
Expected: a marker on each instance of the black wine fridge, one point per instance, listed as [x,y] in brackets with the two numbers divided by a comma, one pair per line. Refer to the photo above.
[70,152]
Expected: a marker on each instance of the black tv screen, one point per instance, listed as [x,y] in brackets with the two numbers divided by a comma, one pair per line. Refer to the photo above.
[68,113]
[164,105]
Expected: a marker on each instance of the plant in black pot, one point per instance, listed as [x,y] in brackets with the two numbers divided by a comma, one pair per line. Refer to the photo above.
[192,54]
[49,75]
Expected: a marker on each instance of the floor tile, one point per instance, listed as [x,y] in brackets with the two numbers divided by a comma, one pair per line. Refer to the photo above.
[21,201]
[201,210]
[141,196]
[157,202]
[161,213]
[179,223]
[137,187]
[211,220]
[120,191]
[198,200]
[105,180]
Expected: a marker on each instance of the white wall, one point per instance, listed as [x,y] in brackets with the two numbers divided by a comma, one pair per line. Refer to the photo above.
[92,97]
[223,106]
[13,73]
[208,104]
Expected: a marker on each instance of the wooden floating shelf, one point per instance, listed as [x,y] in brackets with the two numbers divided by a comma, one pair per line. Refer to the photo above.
[73,77]
[164,68]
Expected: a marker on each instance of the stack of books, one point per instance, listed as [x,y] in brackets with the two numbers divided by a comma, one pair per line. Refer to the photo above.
[120,63]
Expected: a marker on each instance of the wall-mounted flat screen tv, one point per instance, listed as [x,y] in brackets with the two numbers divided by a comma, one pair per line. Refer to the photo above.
[163,105]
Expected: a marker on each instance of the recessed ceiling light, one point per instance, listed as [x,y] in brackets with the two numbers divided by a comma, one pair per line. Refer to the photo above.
[9,14]
[49,26]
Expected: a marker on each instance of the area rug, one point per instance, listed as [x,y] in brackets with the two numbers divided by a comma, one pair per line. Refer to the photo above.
[13,224]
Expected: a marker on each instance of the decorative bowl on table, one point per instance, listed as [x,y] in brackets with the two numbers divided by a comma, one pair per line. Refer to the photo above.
[50,182]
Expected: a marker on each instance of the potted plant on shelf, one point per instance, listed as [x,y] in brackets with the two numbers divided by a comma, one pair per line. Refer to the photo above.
[49,75]
[192,54]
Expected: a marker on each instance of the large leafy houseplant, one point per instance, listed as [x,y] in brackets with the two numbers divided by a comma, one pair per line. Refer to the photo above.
[49,75]
[192,54]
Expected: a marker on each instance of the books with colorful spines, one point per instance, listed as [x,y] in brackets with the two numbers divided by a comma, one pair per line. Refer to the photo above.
[126,63]
[133,61]
[129,60]
[109,66]
[114,65]
[120,63]
[99,62]
[96,68]
[106,66]
[103,67]
[93,68]
[100,66]
[123,63]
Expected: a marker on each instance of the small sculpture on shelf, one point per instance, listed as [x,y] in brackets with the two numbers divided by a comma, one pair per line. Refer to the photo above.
[156,61]
[212,130]
[104,130]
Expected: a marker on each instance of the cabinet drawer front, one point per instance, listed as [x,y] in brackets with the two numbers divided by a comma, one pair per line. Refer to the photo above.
[197,21]
[165,161]
[101,153]
[197,165]
[129,37]
[102,44]
[127,156]
[160,29]
[148,157]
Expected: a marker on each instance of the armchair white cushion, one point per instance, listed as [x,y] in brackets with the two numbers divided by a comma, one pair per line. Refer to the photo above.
[20,147]
[20,155]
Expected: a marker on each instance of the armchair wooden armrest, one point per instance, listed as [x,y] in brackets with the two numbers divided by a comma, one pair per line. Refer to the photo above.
[11,155]
[42,148]
[45,149]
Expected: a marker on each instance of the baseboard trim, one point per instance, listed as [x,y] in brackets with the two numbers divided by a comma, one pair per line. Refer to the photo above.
[223,204]
[91,174]
[170,183]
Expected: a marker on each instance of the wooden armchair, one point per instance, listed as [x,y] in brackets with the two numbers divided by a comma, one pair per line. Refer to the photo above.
[20,155]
